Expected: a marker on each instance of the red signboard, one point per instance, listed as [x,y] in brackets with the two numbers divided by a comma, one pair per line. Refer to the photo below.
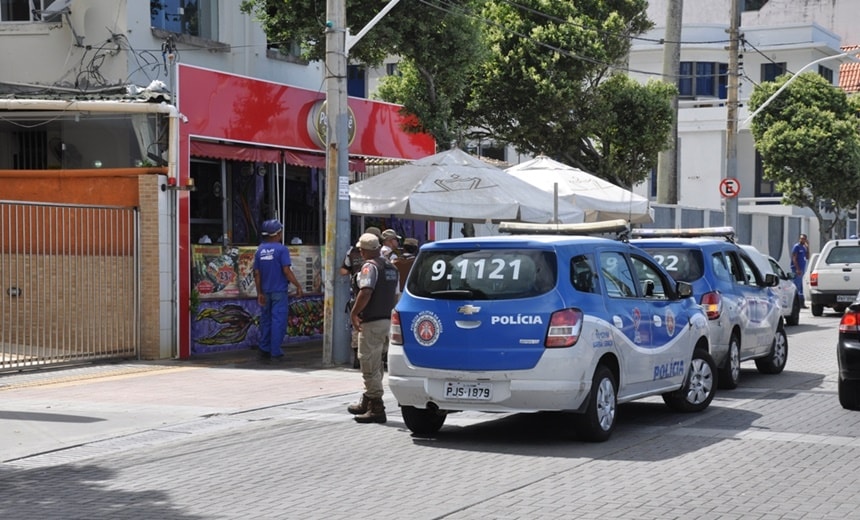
[244,110]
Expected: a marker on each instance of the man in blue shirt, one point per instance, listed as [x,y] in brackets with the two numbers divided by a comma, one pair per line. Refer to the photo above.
[799,256]
[272,277]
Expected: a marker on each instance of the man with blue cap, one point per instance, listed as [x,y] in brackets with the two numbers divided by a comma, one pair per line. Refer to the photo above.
[272,277]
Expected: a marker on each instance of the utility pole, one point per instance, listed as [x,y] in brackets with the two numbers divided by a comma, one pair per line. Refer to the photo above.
[667,161]
[731,171]
[336,346]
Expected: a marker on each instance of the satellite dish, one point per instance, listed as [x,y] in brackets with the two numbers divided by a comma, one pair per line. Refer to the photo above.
[53,12]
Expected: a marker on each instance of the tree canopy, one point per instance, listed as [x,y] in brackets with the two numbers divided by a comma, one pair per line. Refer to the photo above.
[546,77]
[547,86]
[810,146]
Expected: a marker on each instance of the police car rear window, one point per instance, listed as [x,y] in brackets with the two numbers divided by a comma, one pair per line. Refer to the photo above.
[685,265]
[488,274]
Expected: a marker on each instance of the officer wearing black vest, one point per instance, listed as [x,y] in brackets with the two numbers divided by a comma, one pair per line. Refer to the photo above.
[350,267]
[371,316]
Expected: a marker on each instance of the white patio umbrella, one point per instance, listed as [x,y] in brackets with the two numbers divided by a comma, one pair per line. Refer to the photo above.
[601,200]
[454,185]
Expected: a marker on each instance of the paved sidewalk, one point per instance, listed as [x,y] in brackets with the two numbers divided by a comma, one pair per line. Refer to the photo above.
[49,410]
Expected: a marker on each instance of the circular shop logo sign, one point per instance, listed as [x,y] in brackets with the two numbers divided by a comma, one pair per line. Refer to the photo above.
[426,328]
[318,124]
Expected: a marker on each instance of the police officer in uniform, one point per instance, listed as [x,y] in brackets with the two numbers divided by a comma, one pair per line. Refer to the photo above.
[371,317]
[350,267]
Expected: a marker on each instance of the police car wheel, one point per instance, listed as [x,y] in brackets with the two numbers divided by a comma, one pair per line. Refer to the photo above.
[422,421]
[699,386]
[730,374]
[774,362]
[598,421]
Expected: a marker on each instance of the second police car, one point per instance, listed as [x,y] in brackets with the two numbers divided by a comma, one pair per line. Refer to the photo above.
[528,323]
[743,309]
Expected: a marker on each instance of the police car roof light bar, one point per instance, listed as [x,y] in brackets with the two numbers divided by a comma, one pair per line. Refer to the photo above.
[726,232]
[619,226]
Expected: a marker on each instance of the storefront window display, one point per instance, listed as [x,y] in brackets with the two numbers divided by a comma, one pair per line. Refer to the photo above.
[231,199]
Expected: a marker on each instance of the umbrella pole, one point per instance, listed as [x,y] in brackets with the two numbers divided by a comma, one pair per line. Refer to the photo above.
[555,203]
[450,226]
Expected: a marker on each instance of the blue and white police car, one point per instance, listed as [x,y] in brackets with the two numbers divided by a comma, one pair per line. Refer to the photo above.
[742,307]
[545,322]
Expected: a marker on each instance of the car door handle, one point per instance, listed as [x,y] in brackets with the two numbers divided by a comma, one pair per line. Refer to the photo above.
[467,324]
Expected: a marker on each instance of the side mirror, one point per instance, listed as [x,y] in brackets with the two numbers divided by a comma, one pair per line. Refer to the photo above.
[771,280]
[685,289]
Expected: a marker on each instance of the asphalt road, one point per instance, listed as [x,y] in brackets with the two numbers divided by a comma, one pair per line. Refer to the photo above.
[777,447]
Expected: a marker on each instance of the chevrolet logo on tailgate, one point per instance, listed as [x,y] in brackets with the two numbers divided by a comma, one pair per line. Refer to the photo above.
[468,310]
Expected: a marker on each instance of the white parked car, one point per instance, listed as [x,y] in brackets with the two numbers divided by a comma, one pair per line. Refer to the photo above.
[789,300]
[835,279]
[810,266]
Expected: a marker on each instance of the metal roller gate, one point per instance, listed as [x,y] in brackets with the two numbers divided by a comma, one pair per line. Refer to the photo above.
[69,277]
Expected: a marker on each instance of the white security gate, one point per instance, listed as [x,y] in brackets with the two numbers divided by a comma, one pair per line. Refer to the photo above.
[69,281]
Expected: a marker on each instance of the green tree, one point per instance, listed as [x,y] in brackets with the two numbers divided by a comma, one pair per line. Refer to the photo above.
[548,86]
[433,78]
[628,124]
[810,147]
[532,73]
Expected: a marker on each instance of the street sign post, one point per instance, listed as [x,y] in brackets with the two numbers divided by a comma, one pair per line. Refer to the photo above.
[730,188]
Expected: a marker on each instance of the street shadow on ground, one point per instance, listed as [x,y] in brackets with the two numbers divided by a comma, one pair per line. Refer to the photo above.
[753,380]
[811,326]
[73,491]
[10,415]
[553,434]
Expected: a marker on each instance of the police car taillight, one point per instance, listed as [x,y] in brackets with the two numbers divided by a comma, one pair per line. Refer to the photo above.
[813,279]
[712,303]
[564,328]
[850,322]
[395,335]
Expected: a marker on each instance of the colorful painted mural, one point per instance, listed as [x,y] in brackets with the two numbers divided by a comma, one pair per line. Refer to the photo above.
[228,272]
[222,325]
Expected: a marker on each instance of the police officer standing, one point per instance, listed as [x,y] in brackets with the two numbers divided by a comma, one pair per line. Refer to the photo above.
[350,267]
[371,317]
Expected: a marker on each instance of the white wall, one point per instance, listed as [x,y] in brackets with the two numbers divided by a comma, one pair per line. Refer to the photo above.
[47,54]
[838,16]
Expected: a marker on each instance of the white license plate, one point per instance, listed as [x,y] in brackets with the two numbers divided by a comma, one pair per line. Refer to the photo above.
[466,390]
[845,298]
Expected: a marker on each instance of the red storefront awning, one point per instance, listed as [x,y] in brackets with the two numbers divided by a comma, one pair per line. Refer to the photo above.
[265,155]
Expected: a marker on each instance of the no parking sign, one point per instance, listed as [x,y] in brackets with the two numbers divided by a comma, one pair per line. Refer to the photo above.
[730,187]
